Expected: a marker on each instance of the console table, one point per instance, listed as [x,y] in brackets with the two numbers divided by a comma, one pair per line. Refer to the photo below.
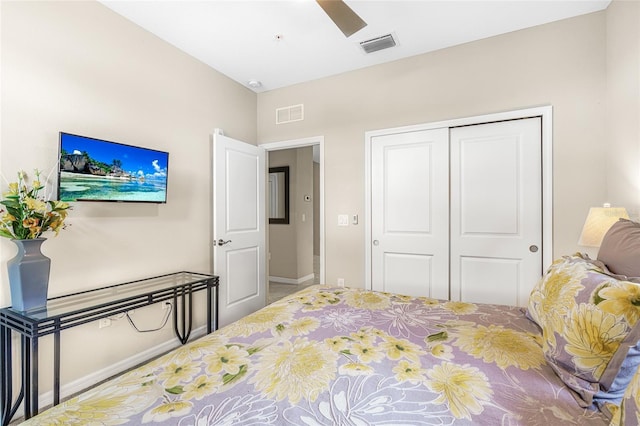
[80,308]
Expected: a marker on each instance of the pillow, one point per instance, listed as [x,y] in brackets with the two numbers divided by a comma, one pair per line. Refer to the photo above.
[620,248]
[590,328]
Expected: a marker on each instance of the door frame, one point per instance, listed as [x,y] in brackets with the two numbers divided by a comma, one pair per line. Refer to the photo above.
[545,112]
[301,143]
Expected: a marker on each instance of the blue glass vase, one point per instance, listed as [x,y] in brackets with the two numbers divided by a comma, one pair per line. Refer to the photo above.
[29,276]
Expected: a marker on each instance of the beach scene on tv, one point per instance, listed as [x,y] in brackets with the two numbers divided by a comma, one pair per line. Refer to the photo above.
[97,170]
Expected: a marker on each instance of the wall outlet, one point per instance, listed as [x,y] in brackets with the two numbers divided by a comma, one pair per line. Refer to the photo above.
[340,282]
[104,322]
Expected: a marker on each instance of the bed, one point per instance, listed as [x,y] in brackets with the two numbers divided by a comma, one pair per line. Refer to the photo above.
[345,356]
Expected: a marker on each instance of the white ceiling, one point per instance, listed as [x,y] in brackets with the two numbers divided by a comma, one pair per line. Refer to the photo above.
[281,43]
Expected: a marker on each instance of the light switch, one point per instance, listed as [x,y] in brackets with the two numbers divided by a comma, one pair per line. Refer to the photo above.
[354,219]
[343,220]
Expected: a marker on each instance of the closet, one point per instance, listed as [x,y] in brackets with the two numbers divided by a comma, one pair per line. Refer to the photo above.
[457,211]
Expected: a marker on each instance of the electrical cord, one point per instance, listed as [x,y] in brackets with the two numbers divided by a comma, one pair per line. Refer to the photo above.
[164,321]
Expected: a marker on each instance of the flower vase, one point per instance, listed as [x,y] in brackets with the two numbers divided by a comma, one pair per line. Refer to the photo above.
[29,275]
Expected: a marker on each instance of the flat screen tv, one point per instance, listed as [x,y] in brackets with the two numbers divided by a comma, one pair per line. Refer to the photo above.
[98,170]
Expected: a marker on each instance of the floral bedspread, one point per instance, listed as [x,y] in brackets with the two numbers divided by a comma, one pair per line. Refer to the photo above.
[339,356]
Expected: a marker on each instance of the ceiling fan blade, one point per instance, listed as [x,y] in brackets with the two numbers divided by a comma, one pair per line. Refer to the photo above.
[343,16]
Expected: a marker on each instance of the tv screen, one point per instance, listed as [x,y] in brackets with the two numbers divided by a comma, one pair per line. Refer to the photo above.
[98,170]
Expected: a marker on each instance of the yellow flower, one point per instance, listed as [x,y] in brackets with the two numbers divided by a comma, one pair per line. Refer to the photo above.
[463,388]
[501,345]
[226,358]
[398,348]
[442,351]
[296,370]
[60,205]
[364,336]
[260,321]
[367,353]
[623,299]
[460,308]
[367,299]
[35,205]
[408,371]
[337,344]
[13,188]
[593,336]
[175,373]
[429,301]
[552,299]
[166,411]
[7,217]
[194,350]
[304,325]
[100,406]
[355,369]
[201,387]
[28,215]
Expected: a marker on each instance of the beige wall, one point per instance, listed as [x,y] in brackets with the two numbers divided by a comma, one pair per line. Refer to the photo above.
[291,245]
[81,68]
[560,64]
[622,141]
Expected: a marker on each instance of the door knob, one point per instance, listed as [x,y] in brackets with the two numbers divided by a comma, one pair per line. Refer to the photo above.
[376,242]
[533,248]
[222,242]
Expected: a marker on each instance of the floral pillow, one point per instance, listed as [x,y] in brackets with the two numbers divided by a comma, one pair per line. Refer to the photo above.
[590,328]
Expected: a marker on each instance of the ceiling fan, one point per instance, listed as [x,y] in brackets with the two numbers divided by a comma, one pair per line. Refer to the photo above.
[343,16]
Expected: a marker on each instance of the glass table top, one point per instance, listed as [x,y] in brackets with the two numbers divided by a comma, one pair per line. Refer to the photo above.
[86,300]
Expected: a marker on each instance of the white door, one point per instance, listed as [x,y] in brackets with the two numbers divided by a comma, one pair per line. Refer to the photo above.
[496,211]
[410,218]
[239,226]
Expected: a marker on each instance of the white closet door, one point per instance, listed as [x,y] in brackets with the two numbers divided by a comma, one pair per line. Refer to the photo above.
[496,211]
[410,218]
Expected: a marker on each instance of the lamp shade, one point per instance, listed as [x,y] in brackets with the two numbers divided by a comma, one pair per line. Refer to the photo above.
[598,222]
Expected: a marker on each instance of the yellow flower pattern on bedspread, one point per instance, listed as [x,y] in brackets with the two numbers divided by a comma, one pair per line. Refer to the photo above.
[340,356]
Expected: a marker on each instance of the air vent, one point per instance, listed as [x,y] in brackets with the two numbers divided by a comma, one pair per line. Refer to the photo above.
[290,114]
[378,43]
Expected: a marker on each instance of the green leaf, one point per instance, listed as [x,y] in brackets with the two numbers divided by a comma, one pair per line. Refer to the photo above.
[229,378]
[176,390]
[438,337]
[252,351]
[5,233]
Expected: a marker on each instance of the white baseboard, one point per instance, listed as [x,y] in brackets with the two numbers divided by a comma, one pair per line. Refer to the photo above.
[294,281]
[78,385]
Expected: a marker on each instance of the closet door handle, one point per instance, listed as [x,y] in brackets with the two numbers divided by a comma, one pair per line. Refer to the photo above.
[533,248]
[376,242]
[222,242]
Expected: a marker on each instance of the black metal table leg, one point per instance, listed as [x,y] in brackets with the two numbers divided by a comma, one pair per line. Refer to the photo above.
[208,307]
[215,309]
[26,375]
[6,375]
[34,376]
[182,328]
[56,366]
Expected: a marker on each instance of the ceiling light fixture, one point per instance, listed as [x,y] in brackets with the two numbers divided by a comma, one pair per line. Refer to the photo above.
[254,84]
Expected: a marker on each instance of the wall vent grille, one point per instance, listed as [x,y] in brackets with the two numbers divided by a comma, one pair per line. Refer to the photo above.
[378,43]
[290,114]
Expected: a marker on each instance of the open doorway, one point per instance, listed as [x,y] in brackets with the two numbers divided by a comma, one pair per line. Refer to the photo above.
[295,245]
